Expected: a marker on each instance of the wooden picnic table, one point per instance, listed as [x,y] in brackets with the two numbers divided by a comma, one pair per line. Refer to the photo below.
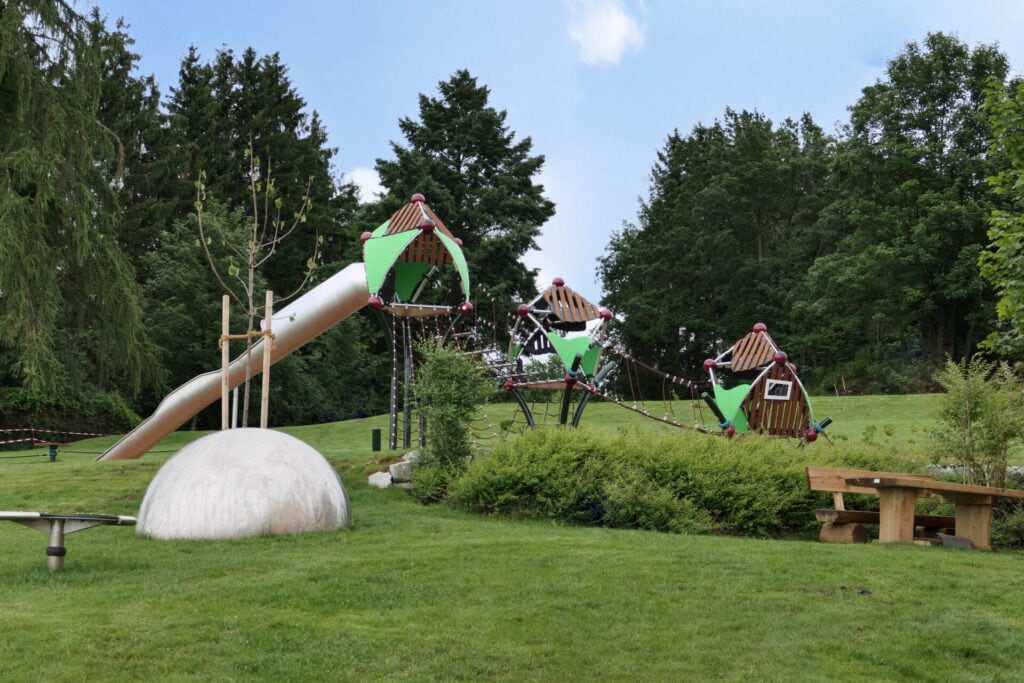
[897,493]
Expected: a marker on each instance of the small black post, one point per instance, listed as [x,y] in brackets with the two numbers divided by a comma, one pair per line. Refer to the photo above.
[375,439]
[53,452]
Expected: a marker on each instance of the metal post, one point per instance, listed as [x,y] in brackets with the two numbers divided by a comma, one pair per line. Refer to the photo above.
[56,551]
[375,439]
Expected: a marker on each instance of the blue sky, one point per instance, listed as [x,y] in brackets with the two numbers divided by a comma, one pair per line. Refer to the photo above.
[597,85]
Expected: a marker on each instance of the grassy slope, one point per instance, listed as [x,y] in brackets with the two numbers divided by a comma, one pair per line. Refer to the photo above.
[431,593]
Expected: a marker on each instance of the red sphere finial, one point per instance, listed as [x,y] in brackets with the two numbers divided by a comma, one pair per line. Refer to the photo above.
[375,302]
[760,327]
[606,314]
[417,198]
[709,363]
[427,226]
[508,385]
[781,357]
[523,310]
[811,435]
[465,308]
[558,282]
[458,241]
[365,236]
[730,431]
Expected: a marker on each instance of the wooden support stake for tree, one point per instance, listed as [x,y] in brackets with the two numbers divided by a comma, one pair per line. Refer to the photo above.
[225,360]
[268,341]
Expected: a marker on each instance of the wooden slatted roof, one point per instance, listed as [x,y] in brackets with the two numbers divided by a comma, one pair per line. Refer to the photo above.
[427,247]
[410,216]
[753,351]
[567,305]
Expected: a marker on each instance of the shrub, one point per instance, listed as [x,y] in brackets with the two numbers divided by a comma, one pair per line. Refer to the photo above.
[449,387]
[980,417]
[681,482]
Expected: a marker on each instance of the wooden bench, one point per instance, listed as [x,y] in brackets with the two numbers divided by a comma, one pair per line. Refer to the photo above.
[840,525]
[897,493]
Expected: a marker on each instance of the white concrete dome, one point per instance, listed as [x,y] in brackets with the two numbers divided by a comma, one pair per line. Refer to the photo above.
[243,482]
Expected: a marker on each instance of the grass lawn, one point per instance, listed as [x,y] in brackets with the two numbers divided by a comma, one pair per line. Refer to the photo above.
[425,593]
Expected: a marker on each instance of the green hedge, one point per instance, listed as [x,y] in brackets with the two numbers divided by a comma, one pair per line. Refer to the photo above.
[681,482]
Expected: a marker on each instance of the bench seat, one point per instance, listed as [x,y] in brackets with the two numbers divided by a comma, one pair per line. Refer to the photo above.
[869,517]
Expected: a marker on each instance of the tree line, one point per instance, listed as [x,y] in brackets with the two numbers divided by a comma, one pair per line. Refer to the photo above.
[860,250]
[107,297]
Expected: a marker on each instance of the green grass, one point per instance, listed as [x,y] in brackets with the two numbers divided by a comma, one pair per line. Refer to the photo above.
[426,593]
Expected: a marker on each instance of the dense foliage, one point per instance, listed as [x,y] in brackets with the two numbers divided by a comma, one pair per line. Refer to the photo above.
[1002,263]
[979,418]
[682,482]
[478,178]
[861,250]
[449,389]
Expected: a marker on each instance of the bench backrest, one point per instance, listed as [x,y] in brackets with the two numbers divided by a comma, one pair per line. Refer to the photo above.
[834,479]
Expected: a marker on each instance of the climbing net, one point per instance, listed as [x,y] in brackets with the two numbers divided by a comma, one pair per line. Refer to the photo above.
[634,374]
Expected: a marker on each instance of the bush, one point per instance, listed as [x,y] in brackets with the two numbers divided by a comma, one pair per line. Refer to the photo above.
[1008,532]
[449,388]
[980,417]
[682,482]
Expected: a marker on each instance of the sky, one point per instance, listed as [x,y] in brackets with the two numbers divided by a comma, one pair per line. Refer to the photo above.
[597,85]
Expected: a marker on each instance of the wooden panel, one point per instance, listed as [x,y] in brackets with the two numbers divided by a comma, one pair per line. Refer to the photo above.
[567,305]
[410,216]
[751,352]
[869,517]
[836,479]
[947,489]
[426,248]
[773,417]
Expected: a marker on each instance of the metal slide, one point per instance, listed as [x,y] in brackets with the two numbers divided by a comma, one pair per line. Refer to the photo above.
[310,315]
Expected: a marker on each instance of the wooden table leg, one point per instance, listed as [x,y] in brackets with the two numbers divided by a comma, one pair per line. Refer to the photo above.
[973,518]
[896,515]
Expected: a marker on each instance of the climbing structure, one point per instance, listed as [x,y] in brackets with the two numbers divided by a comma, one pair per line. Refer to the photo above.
[403,256]
[561,323]
[773,401]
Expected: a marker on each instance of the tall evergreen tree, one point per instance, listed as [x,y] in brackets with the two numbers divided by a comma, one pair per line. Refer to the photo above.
[722,240]
[479,180]
[221,109]
[903,287]
[63,277]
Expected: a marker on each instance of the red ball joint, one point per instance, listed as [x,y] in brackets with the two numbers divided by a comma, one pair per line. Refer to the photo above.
[606,314]
[508,385]
[811,435]
[427,226]
[458,241]
[375,302]
[781,358]
[709,364]
[365,236]
[558,282]
[523,310]
[417,198]
[465,308]
[760,328]
[730,431]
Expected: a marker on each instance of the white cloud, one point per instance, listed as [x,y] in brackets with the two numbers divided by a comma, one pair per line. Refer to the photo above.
[368,183]
[603,31]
